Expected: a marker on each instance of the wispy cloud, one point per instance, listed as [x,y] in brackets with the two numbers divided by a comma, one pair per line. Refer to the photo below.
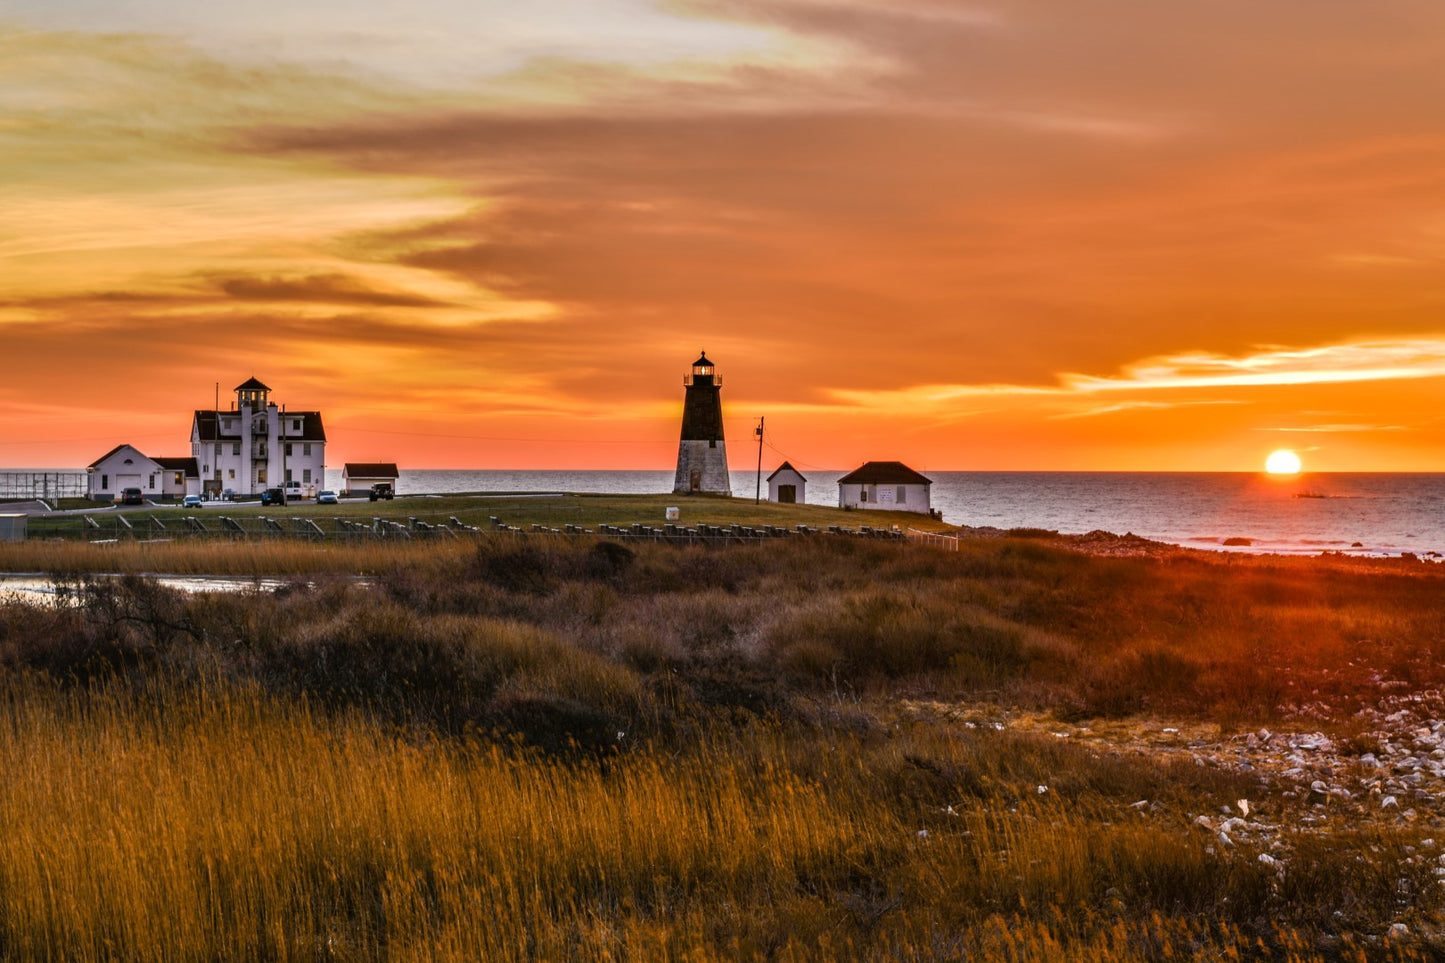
[1326,364]
[1338,429]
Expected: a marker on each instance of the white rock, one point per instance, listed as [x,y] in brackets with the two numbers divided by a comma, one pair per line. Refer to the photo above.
[1043,789]
[1243,805]
[1389,802]
[1398,931]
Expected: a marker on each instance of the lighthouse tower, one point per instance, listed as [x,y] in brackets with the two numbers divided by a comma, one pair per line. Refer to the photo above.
[702,459]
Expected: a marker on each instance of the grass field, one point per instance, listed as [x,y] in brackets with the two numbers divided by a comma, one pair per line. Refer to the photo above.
[587,511]
[821,748]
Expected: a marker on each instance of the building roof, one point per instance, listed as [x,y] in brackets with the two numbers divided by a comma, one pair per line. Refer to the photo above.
[311,427]
[786,466]
[116,449]
[702,360]
[251,384]
[208,426]
[371,469]
[884,473]
[187,465]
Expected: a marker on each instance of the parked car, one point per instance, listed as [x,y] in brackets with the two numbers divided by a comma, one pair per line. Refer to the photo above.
[326,498]
[293,489]
[191,501]
[229,495]
[273,496]
[132,496]
[381,490]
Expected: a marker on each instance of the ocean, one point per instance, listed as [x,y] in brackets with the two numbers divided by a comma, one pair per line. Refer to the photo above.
[1375,514]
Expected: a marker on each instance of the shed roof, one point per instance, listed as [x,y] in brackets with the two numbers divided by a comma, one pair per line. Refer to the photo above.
[786,466]
[371,469]
[884,473]
[187,465]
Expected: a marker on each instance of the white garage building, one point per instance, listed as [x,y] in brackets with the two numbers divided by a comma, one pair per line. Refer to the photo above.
[886,486]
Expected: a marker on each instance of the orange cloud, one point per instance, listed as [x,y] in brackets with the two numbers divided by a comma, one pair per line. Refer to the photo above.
[1036,236]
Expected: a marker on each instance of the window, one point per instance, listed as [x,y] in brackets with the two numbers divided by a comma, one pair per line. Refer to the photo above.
[104,482]
[205,469]
[261,475]
[180,478]
[306,450]
[218,450]
[306,475]
[151,483]
[295,425]
[288,474]
[288,449]
[902,494]
[862,494]
[236,449]
[231,473]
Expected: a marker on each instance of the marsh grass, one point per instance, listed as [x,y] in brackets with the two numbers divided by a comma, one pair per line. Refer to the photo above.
[546,750]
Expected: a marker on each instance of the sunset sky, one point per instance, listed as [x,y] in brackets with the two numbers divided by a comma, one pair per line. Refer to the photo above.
[1023,234]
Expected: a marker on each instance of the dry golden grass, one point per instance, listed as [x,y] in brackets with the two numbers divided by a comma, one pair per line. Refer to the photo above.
[336,771]
[253,557]
[222,823]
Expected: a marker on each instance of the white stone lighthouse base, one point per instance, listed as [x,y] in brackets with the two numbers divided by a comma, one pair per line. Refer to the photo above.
[702,466]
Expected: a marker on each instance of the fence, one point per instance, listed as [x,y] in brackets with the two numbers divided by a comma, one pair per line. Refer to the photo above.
[44,485]
[112,526]
[949,543]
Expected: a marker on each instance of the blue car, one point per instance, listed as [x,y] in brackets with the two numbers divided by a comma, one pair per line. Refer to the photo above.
[191,501]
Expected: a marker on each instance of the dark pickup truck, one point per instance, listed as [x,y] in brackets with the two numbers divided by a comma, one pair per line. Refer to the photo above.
[273,496]
[381,490]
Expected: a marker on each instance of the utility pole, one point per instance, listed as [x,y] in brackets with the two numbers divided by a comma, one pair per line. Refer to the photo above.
[758,491]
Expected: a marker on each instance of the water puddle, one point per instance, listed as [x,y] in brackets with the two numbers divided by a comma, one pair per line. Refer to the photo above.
[42,588]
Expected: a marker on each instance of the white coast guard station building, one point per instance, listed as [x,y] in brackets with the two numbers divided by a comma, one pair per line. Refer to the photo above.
[254,445]
[258,445]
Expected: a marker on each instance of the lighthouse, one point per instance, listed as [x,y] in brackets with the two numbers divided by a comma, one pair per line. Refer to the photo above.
[702,459]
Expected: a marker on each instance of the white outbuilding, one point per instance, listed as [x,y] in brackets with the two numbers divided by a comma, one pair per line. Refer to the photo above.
[886,486]
[787,486]
[124,466]
[357,477]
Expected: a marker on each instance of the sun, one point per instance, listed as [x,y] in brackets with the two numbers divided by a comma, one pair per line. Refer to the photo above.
[1282,462]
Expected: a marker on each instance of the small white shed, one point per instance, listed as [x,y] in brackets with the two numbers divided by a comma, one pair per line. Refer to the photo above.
[357,477]
[12,528]
[787,486]
[886,486]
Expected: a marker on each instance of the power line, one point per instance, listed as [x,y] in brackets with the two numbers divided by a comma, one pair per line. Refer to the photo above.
[569,441]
